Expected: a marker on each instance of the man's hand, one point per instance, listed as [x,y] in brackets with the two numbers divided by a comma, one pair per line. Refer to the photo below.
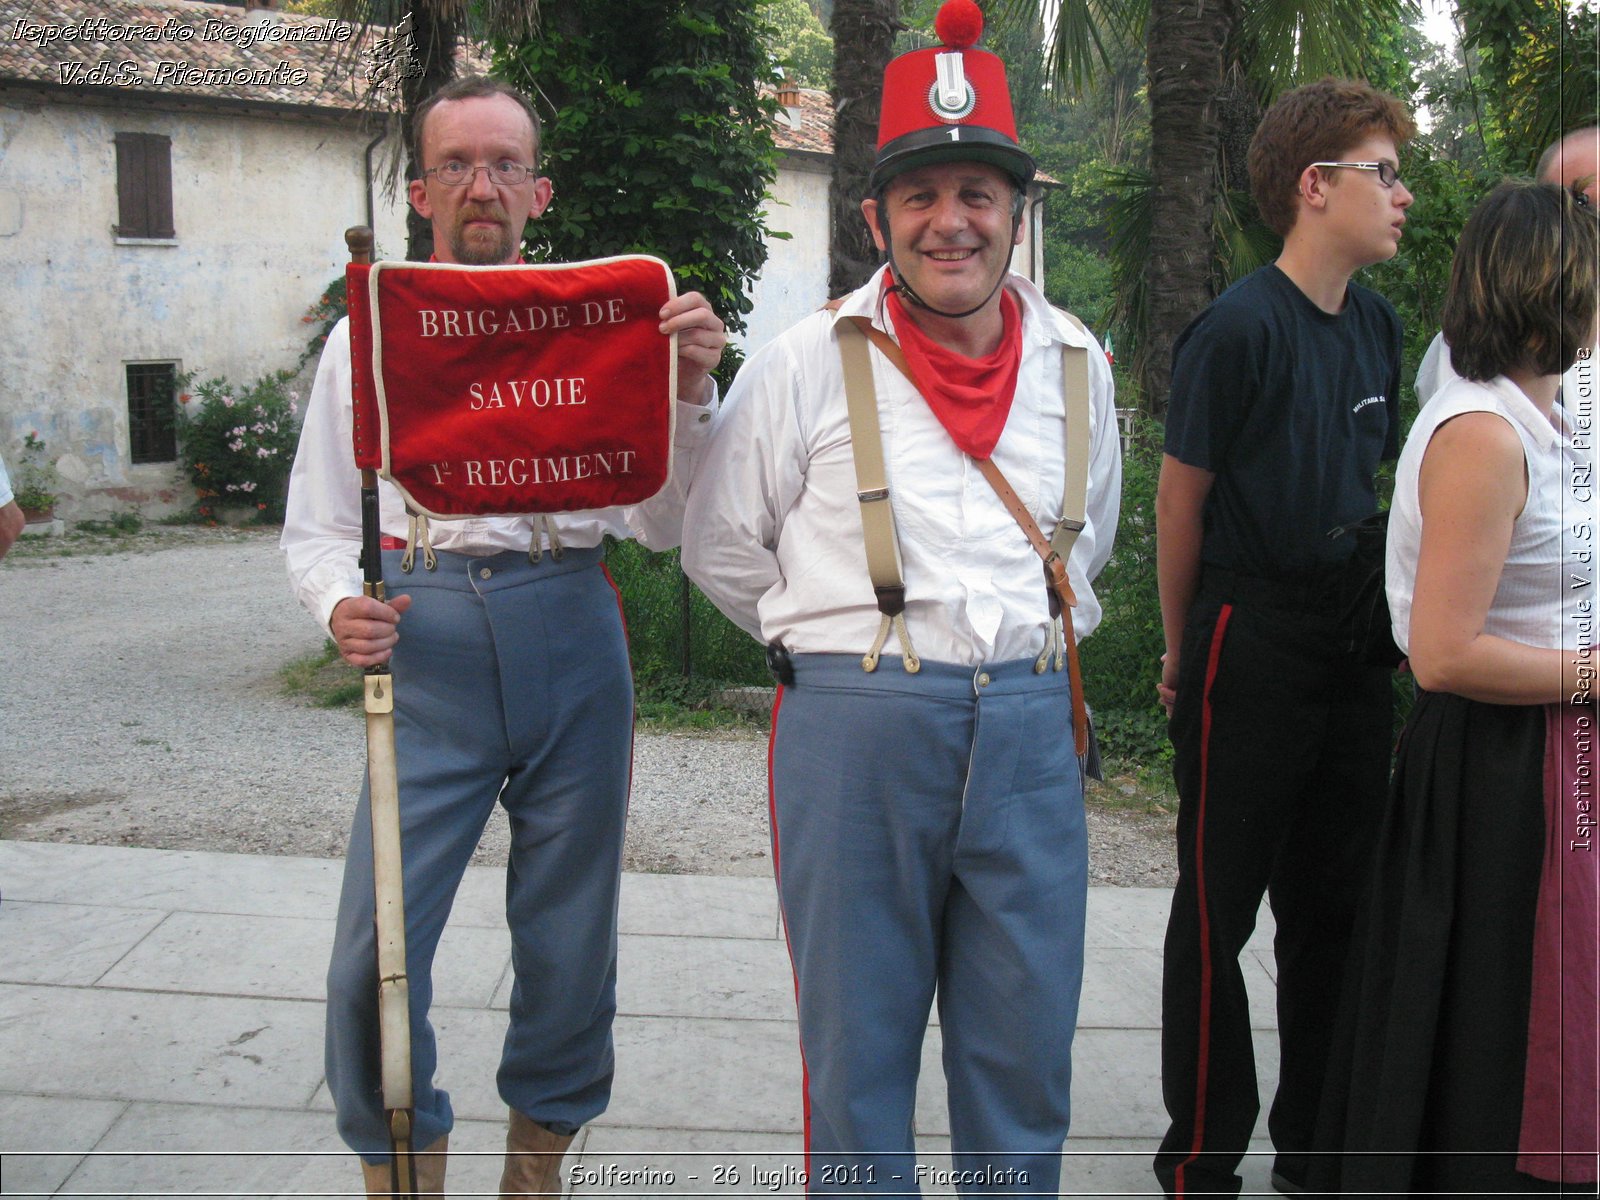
[1167,689]
[365,630]
[701,338]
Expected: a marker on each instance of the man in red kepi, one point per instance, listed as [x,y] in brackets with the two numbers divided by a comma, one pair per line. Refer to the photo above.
[927,802]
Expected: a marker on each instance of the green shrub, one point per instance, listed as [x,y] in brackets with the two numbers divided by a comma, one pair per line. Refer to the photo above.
[1121,659]
[120,524]
[238,444]
[672,628]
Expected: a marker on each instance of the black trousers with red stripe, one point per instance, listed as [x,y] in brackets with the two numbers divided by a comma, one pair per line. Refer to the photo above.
[1281,760]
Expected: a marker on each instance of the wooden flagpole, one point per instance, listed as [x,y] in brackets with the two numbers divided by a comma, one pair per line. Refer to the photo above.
[394,992]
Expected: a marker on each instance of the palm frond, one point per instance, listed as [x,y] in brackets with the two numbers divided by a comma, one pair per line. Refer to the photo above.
[1294,41]
[1078,33]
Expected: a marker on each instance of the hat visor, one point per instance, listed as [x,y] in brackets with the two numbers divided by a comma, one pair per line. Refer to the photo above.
[927,146]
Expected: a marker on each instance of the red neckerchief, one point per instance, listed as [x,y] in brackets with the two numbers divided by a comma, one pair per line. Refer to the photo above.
[970,396]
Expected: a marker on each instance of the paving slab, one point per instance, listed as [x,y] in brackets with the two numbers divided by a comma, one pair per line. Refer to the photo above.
[170,880]
[161,1030]
[287,958]
[674,1073]
[736,978]
[700,906]
[44,1138]
[75,944]
[101,1044]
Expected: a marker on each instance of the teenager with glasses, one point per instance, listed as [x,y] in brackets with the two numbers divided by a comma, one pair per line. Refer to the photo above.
[1285,397]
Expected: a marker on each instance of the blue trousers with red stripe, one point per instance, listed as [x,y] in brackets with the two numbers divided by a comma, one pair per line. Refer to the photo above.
[1281,761]
[512,685]
[929,840]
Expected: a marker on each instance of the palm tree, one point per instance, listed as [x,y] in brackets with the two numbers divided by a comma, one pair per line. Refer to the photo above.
[1186,64]
[427,33]
[863,39]
[1212,67]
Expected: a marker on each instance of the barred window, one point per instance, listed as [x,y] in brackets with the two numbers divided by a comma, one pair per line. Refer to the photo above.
[144,185]
[152,412]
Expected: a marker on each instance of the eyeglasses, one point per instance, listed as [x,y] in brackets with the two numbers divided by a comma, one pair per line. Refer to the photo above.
[505,173]
[1388,173]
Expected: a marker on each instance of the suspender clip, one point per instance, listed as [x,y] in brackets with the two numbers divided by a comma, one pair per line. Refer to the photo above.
[891,599]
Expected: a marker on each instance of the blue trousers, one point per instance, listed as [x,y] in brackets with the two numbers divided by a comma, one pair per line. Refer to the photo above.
[511,684]
[929,839]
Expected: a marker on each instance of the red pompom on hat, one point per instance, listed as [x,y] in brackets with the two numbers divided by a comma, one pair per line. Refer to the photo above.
[959,24]
[948,103]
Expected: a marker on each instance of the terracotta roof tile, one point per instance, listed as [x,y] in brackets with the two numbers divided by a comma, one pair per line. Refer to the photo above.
[192,50]
[186,49]
[814,133]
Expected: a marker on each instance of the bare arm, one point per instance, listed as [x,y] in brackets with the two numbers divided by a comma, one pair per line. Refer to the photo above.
[1180,509]
[1471,488]
[11,523]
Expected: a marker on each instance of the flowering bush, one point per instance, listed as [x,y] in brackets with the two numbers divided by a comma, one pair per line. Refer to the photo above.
[328,310]
[35,484]
[238,444]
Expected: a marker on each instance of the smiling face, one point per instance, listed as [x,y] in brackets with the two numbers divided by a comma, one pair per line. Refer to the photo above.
[479,222]
[952,232]
[1363,219]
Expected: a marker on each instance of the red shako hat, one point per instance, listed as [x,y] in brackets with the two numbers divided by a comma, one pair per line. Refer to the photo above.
[948,103]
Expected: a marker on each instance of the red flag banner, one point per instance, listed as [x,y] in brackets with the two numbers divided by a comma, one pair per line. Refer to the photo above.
[364,426]
[522,389]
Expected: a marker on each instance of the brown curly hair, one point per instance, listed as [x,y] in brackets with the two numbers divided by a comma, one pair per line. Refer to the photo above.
[1523,284]
[1316,123]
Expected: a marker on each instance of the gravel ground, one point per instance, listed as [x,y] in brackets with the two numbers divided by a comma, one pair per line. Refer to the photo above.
[139,706]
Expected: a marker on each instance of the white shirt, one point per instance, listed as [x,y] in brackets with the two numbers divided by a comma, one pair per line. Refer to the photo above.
[1546,589]
[322,523]
[774,528]
[1437,370]
[5,485]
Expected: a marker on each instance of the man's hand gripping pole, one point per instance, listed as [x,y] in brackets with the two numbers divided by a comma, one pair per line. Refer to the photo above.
[394,992]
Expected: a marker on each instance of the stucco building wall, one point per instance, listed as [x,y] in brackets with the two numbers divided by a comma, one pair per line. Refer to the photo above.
[260,205]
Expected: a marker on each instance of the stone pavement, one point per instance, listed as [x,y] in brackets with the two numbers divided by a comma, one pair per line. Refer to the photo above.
[161,1034]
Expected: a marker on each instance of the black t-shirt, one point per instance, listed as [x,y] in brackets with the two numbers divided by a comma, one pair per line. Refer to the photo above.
[1292,409]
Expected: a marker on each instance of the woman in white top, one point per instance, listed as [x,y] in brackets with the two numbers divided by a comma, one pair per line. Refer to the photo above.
[1466,1051]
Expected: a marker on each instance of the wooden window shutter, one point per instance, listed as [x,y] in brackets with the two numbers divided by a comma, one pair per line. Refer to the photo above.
[144,185]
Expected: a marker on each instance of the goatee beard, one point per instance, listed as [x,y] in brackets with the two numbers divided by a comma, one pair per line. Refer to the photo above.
[476,252]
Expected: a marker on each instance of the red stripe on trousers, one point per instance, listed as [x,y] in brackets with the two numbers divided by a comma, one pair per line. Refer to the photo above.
[777,878]
[1203,1064]
[622,615]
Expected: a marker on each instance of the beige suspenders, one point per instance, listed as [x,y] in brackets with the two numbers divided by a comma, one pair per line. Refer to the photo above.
[877,518]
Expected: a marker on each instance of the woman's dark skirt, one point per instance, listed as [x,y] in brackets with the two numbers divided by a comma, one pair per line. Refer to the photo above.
[1426,1081]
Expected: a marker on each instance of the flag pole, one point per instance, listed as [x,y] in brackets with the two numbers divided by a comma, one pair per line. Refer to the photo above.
[394,993]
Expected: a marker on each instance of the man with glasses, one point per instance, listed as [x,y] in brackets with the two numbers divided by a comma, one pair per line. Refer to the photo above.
[1285,397]
[517,690]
